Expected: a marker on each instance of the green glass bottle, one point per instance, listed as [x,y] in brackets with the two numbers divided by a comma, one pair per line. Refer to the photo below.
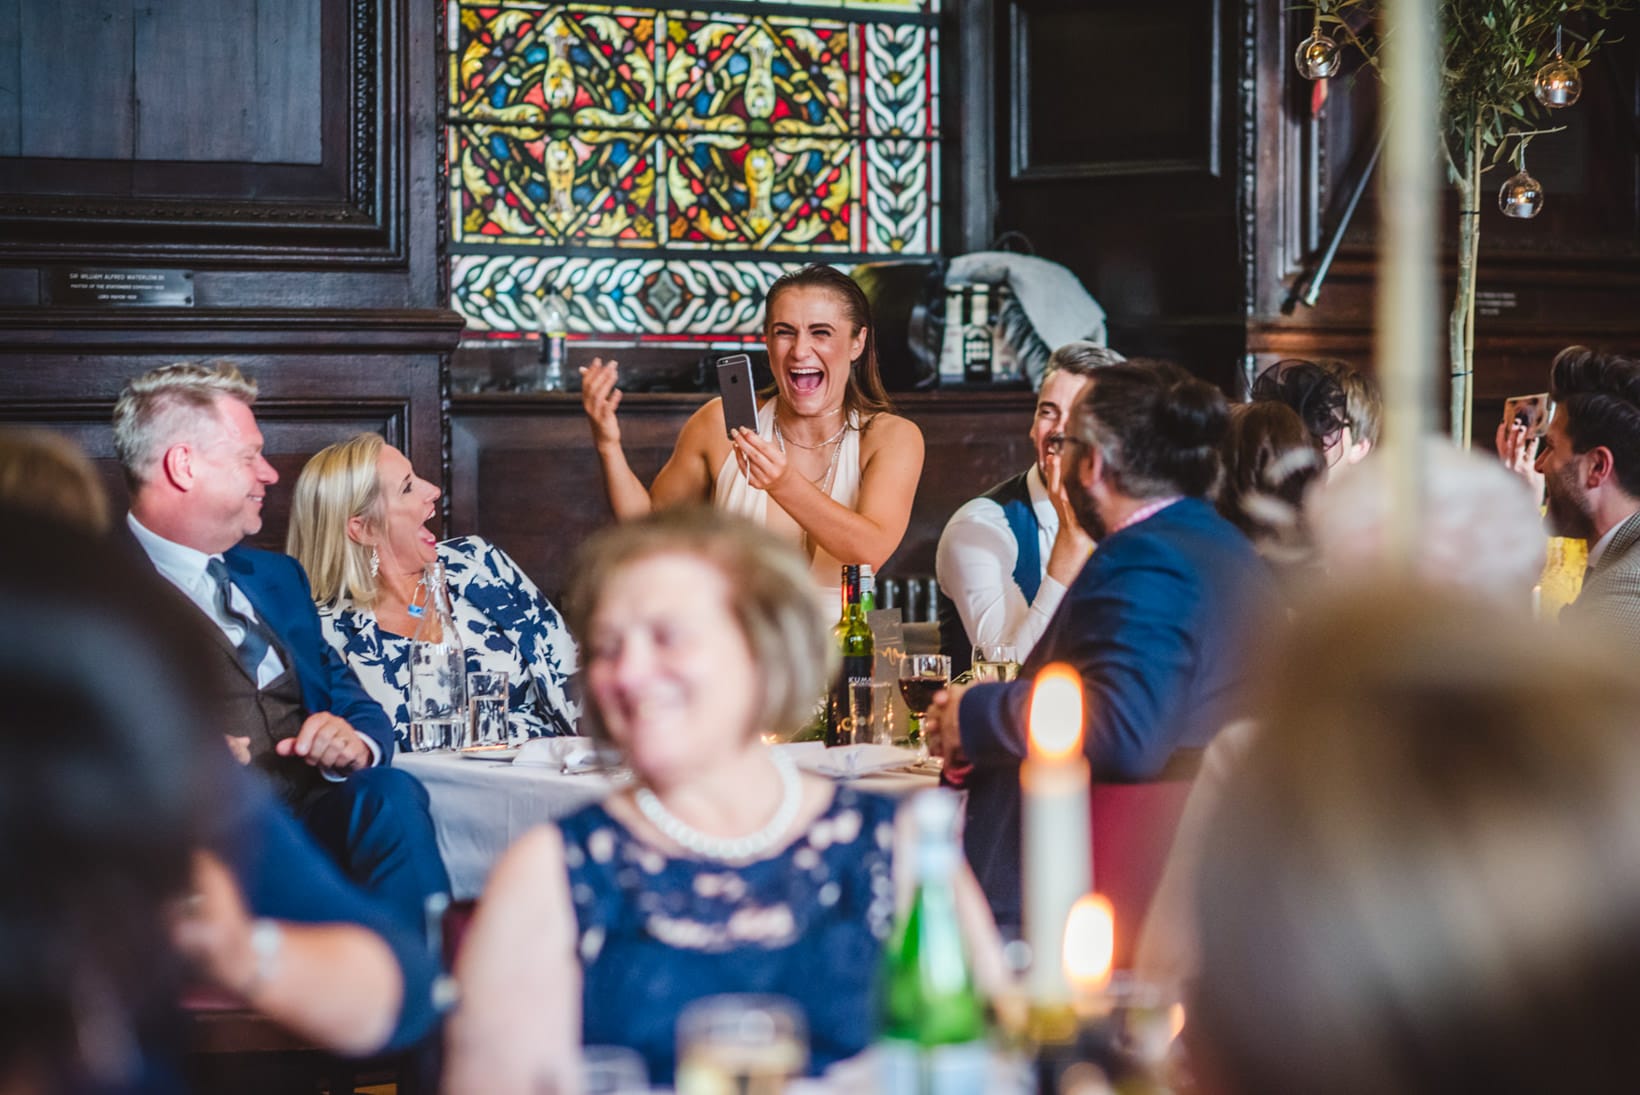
[858,648]
[934,1037]
[868,590]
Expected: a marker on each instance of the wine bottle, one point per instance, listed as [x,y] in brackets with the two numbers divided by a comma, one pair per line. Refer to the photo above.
[554,338]
[868,590]
[977,348]
[858,648]
[934,1037]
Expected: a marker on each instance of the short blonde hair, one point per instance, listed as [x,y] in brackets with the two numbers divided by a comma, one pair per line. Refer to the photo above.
[46,473]
[158,407]
[340,482]
[773,601]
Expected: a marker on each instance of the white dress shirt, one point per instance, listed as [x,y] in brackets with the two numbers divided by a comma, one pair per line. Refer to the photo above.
[184,568]
[974,566]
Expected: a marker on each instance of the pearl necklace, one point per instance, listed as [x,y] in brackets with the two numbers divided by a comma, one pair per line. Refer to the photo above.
[740,847]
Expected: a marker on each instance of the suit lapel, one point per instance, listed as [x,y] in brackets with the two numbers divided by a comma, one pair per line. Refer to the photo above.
[123,540]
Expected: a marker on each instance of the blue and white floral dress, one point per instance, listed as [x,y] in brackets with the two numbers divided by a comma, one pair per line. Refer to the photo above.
[505,623]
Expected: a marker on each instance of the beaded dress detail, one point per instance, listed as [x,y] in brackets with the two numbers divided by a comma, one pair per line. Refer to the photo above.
[657,932]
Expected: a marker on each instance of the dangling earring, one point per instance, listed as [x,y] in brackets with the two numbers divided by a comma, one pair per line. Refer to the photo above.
[375,563]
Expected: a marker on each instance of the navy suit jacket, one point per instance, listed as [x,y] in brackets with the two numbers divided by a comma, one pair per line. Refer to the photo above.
[277,588]
[1154,624]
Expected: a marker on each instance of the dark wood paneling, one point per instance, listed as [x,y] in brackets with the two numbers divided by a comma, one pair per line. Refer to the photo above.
[1159,63]
[1123,149]
[215,132]
[1571,275]
[524,474]
[318,383]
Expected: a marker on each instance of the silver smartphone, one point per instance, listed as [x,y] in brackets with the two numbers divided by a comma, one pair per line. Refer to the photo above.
[734,375]
[1531,411]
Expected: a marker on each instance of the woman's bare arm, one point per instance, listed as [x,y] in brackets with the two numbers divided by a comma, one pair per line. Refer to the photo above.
[338,985]
[891,459]
[517,1028]
[599,398]
[688,473]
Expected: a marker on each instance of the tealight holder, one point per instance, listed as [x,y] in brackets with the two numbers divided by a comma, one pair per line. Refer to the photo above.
[1557,84]
[1318,56]
[1521,196]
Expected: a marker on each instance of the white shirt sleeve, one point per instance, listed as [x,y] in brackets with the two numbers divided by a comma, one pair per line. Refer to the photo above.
[974,565]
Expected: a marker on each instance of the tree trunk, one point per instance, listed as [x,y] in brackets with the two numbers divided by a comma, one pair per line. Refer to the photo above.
[1461,325]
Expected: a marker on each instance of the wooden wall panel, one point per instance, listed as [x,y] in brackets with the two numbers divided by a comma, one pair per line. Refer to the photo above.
[523,472]
[313,390]
[1570,275]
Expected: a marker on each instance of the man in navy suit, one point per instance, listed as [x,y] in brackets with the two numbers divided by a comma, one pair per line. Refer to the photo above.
[1153,623]
[287,703]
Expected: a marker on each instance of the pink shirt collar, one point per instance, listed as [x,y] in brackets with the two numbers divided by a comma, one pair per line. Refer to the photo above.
[1149,509]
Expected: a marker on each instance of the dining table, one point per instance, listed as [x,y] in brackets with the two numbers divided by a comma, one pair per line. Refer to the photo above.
[482,801]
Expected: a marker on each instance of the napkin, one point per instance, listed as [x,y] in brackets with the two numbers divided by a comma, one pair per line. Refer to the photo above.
[849,761]
[564,754]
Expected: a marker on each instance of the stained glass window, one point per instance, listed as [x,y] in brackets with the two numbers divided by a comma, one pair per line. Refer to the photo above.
[660,166]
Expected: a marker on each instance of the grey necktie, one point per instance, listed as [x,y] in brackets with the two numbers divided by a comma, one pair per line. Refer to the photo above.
[253,646]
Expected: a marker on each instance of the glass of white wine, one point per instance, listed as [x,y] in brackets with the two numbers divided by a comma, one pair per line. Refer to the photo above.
[995,662]
[752,1045]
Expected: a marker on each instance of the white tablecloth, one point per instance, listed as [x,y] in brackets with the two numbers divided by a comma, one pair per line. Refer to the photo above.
[481,806]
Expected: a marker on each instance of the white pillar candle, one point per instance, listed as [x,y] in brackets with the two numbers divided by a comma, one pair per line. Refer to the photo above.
[1058,856]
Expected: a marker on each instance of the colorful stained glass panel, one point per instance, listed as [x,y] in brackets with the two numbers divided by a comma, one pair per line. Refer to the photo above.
[608,128]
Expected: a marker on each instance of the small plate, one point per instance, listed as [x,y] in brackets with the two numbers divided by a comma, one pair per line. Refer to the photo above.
[491,752]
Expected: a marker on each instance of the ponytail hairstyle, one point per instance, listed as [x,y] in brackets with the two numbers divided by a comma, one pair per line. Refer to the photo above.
[1157,428]
[864,396]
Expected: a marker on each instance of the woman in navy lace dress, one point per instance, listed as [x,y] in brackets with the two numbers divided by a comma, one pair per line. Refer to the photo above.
[358,526]
[720,868]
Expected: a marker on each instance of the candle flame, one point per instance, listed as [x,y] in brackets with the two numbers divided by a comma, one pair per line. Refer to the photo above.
[1090,943]
[1056,713]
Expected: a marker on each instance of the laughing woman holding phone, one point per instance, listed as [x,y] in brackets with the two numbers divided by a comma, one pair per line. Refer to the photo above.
[839,468]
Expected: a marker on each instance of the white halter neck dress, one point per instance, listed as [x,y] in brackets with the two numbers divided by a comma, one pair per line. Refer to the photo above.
[731,492]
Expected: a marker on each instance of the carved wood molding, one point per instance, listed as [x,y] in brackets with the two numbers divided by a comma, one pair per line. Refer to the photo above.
[63,330]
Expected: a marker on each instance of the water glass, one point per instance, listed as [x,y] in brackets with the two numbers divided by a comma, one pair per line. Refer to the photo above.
[995,662]
[613,1070]
[868,710]
[487,700]
[754,1045]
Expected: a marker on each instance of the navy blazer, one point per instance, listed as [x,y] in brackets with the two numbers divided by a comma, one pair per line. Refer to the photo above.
[277,588]
[1154,624]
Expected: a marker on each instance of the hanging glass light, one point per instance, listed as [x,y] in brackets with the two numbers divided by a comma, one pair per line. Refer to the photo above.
[1318,56]
[1521,195]
[1557,83]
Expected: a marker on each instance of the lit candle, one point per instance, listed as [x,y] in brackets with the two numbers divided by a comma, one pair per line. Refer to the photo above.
[1090,947]
[1058,857]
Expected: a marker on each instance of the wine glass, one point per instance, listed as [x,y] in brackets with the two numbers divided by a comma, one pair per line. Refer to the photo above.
[922,676]
[741,1043]
[995,662]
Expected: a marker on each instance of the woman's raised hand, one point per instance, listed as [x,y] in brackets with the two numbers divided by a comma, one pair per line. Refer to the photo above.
[762,460]
[599,398]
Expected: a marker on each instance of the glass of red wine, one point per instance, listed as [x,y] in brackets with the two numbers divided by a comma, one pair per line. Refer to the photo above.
[922,676]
